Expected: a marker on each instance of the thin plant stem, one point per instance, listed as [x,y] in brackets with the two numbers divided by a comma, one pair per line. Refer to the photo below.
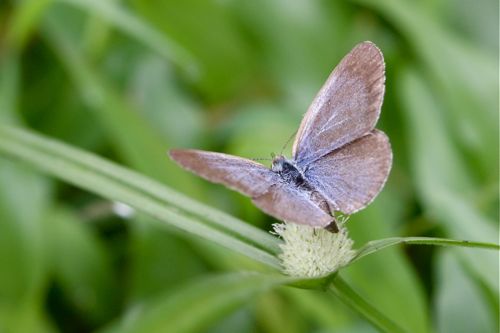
[346,294]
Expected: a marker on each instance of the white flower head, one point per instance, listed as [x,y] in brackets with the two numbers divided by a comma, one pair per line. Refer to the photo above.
[313,252]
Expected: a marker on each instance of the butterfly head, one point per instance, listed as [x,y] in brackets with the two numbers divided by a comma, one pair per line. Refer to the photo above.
[278,163]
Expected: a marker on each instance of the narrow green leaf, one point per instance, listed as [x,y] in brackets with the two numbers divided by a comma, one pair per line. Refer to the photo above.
[9,87]
[380,244]
[319,306]
[117,183]
[96,36]
[95,174]
[274,314]
[390,272]
[461,73]
[144,149]
[136,27]
[442,183]
[206,300]
[342,290]
[26,17]
[459,304]
[84,273]
[24,200]
[159,260]
[140,145]
[209,31]
[24,261]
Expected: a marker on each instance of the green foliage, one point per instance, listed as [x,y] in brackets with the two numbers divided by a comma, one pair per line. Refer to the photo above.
[129,80]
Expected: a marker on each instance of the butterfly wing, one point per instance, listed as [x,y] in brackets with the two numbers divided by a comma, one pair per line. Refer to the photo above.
[242,175]
[288,203]
[352,176]
[347,106]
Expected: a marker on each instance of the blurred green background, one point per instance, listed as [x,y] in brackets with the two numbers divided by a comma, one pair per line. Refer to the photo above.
[129,80]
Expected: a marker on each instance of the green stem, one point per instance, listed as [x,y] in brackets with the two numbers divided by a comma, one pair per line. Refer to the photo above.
[347,295]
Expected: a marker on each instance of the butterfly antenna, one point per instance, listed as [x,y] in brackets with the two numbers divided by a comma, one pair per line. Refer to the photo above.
[261,159]
[287,142]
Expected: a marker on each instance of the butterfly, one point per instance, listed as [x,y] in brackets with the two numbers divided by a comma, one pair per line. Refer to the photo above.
[340,161]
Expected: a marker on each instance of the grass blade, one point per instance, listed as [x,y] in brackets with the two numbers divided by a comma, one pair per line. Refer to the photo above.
[143,149]
[25,198]
[380,244]
[26,17]
[207,300]
[97,175]
[117,183]
[462,74]
[454,282]
[134,26]
[444,190]
[342,290]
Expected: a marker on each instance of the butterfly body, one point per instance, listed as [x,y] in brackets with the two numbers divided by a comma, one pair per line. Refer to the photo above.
[290,172]
[293,176]
[340,162]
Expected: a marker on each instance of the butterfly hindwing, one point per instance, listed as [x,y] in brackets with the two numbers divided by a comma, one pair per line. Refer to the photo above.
[352,176]
[285,202]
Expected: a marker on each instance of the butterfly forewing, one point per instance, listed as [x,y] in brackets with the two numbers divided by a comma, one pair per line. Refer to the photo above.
[350,177]
[242,175]
[347,106]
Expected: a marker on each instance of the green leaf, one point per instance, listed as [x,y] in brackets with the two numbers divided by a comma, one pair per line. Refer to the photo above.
[24,201]
[84,273]
[197,305]
[390,272]
[205,28]
[95,174]
[459,303]
[155,89]
[343,291]
[143,148]
[296,63]
[154,252]
[24,21]
[139,144]
[9,87]
[117,183]
[24,260]
[134,26]
[274,314]
[380,244]
[442,182]
[318,306]
[460,72]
